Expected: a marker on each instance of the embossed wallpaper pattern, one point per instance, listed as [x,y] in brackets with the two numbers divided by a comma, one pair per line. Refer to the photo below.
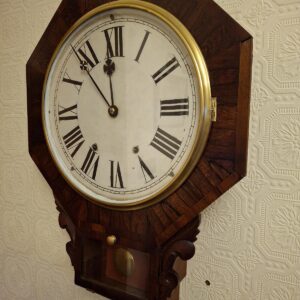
[249,246]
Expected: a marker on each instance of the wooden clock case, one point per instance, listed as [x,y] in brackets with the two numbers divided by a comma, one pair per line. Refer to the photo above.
[160,237]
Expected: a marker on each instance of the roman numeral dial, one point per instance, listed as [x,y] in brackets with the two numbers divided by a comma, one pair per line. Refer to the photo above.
[122,106]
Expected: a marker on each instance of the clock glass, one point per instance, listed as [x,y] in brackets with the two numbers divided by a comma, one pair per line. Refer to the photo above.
[126,104]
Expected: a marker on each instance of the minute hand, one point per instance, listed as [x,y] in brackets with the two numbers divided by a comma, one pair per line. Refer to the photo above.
[83,67]
[109,68]
[97,87]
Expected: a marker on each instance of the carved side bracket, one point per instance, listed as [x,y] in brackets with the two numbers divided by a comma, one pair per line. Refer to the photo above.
[181,247]
[66,223]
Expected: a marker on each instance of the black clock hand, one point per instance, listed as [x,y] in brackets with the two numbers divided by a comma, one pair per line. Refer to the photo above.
[109,68]
[111,92]
[97,87]
[83,66]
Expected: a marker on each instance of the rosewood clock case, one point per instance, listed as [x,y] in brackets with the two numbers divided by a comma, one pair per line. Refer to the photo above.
[156,240]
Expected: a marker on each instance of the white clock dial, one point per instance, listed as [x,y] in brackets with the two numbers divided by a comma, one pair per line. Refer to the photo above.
[123,112]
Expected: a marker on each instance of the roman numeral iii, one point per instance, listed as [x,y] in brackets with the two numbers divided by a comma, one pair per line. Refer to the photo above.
[74,140]
[88,54]
[166,144]
[114,40]
[175,107]
[167,69]
[91,163]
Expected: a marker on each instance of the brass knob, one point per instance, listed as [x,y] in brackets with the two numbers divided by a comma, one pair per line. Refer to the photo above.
[111,240]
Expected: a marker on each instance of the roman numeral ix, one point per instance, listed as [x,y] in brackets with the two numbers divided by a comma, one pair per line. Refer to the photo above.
[175,107]
[166,143]
[167,69]
[114,40]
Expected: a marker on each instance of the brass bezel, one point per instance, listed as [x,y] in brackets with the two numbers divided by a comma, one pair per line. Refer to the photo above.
[204,92]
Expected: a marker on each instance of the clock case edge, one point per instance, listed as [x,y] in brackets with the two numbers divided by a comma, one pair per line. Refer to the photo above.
[227,49]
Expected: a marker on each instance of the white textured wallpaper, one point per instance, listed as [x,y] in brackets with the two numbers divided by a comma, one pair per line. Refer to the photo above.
[249,246]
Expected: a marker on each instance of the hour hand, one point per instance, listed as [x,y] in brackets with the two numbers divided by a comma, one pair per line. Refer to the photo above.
[109,68]
[84,65]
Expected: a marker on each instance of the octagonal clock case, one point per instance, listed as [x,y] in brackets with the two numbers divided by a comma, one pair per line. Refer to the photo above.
[126,104]
[120,112]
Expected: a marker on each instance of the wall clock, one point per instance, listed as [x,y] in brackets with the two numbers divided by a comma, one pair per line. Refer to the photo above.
[120,114]
[127,104]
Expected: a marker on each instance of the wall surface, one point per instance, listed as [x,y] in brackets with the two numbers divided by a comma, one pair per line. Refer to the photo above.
[249,246]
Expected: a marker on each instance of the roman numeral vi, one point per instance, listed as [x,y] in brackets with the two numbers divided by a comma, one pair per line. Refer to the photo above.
[116,180]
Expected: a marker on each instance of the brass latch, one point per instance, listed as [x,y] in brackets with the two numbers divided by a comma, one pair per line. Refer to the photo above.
[213,109]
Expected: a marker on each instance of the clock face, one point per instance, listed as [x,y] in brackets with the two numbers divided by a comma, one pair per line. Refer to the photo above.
[124,106]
